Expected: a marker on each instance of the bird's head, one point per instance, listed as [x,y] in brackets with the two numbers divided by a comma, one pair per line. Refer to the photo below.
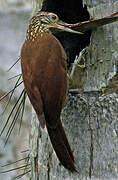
[48,22]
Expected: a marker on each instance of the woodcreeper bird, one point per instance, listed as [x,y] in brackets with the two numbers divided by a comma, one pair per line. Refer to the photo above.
[43,62]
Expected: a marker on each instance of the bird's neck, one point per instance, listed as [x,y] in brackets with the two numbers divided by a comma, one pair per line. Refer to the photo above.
[35,29]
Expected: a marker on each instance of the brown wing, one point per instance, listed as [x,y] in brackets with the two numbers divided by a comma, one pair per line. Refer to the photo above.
[44,74]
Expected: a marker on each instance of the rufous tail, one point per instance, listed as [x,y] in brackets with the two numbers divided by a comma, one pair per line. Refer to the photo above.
[61,146]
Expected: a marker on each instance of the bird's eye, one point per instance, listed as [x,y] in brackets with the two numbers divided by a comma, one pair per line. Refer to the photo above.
[53,17]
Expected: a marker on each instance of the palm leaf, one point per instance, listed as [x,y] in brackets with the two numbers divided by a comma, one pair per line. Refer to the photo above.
[11,94]
[19,102]
[14,64]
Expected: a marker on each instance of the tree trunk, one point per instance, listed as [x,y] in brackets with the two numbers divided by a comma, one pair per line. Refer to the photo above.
[90,119]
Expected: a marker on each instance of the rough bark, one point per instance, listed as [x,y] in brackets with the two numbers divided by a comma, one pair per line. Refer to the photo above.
[90,119]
